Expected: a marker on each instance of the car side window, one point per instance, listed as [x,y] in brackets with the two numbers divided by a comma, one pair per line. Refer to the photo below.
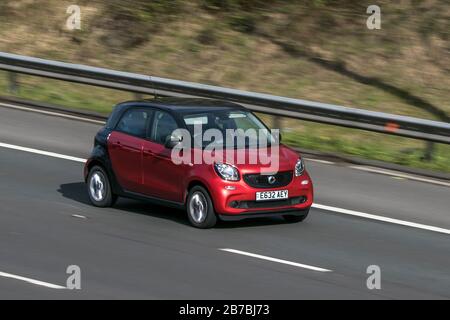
[134,122]
[163,126]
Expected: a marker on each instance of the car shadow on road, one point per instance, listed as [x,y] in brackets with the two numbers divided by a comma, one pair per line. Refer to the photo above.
[77,192]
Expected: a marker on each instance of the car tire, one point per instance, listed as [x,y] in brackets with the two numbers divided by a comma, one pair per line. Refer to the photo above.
[200,209]
[296,218]
[99,188]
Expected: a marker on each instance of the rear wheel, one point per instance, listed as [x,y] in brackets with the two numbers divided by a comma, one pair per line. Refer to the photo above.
[296,218]
[99,188]
[200,208]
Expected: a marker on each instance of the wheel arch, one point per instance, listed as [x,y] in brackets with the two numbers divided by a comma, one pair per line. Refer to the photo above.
[197,182]
[92,163]
[99,161]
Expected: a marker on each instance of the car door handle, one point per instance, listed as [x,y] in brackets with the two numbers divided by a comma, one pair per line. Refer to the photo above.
[125,146]
[162,156]
[148,153]
[116,144]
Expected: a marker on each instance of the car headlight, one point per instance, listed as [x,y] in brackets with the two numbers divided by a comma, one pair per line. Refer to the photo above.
[299,167]
[227,172]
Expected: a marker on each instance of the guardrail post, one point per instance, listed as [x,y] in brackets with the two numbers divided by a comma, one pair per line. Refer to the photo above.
[276,124]
[13,86]
[429,150]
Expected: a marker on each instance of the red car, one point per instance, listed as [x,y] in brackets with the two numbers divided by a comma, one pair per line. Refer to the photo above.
[138,154]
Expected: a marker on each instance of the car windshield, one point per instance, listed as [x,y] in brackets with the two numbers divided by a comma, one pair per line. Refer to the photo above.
[227,129]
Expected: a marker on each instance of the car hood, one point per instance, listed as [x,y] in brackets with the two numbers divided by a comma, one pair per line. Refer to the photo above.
[263,160]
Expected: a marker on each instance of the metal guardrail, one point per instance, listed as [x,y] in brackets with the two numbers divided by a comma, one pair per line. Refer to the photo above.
[410,127]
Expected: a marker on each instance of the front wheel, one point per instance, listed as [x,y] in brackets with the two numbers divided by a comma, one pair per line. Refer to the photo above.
[296,218]
[200,208]
[99,188]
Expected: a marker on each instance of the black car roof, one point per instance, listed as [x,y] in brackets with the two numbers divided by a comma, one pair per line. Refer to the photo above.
[188,104]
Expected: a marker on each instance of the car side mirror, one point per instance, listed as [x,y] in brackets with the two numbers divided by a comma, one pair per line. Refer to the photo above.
[172,141]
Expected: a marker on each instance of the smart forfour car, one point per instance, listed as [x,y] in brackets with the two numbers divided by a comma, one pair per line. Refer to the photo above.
[133,157]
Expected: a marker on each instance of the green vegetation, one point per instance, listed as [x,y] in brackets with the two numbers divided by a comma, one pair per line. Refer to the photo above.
[73,96]
[369,145]
[318,50]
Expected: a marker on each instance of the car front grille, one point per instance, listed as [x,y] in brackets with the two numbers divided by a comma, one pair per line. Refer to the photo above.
[282,179]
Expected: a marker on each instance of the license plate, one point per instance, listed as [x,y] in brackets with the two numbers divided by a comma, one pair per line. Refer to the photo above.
[271,195]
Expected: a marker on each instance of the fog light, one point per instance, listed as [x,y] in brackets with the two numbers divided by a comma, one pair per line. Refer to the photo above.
[234,204]
[230,188]
[305,182]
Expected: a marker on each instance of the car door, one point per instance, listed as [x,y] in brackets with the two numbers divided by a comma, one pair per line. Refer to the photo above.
[162,178]
[125,146]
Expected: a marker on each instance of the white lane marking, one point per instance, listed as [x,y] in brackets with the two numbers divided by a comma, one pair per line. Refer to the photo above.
[41,152]
[319,161]
[32,281]
[79,216]
[315,205]
[400,175]
[258,256]
[381,218]
[51,113]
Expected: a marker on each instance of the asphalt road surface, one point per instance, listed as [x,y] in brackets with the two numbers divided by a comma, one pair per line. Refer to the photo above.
[141,251]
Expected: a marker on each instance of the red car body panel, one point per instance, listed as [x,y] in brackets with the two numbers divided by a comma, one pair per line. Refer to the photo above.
[125,152]
[161,177]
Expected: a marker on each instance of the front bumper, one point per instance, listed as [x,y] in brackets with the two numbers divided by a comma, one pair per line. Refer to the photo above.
[240,200]
[263,214]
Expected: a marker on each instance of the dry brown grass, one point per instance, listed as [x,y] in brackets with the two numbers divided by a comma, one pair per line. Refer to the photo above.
[397,55]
